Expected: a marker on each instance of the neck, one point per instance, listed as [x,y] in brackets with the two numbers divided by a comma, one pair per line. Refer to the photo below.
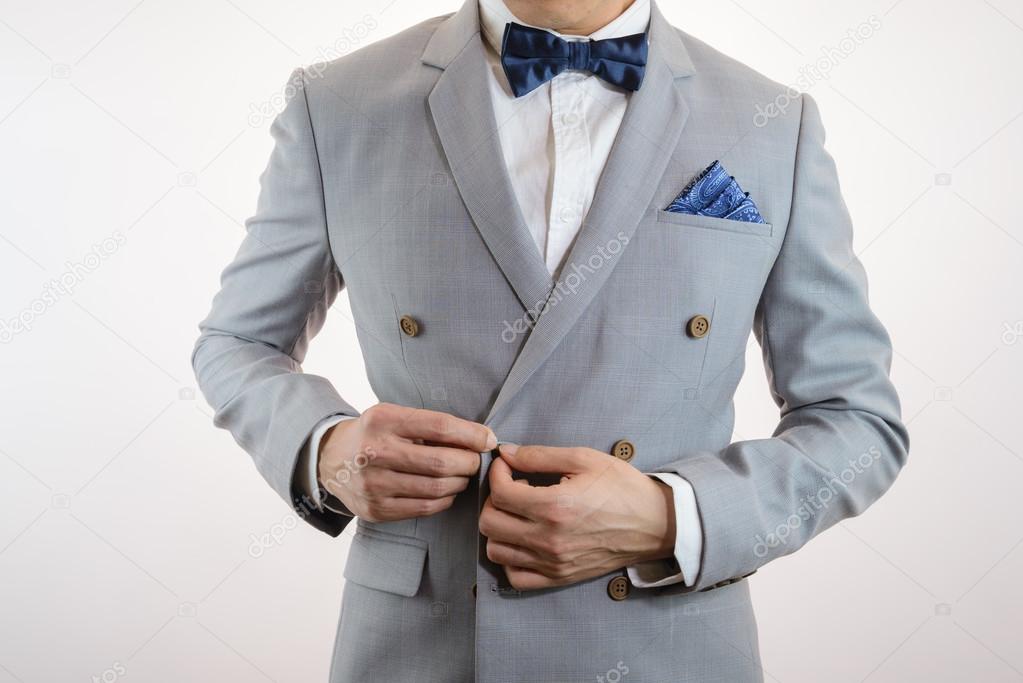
[568,17]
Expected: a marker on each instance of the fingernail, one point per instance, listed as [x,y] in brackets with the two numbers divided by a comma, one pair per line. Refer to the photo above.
[509,448]
[491,441]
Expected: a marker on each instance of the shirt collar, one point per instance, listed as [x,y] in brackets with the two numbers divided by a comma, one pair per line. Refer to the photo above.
[494,15]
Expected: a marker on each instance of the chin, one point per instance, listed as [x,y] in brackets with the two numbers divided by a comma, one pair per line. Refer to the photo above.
[557,13]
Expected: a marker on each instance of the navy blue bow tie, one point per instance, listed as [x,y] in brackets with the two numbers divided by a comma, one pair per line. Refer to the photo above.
[531,57]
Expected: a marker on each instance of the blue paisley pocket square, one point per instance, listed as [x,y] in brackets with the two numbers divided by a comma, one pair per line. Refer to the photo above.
[715,193]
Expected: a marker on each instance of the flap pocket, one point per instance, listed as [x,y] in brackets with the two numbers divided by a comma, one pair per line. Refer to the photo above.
[712,223]
[386,562]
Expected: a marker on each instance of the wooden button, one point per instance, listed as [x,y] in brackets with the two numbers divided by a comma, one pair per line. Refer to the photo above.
[698,326]
[618,588]
[409,325]
[623,450]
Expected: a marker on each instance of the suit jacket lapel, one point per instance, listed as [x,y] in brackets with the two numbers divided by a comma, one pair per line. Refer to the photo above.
[650,130]
[463,114]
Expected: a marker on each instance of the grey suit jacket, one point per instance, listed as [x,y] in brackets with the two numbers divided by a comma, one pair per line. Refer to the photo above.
[387,179]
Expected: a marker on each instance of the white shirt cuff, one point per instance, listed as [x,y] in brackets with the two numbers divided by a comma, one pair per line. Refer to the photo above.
[307,469]
[688,541]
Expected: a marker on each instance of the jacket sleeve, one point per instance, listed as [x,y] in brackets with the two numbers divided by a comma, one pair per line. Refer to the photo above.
[273,299]
[840,441]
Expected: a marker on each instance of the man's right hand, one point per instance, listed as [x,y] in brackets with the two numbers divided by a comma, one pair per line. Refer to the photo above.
[396,463]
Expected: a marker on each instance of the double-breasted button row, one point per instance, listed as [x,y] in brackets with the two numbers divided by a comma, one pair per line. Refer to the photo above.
[698,326]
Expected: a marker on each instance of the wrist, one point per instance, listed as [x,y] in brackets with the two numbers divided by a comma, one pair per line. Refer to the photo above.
[330,459]
[662,523]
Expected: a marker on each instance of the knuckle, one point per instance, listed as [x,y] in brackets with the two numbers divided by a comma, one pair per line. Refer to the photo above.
[560,571]
[374,511]
[553,547]
[423,508]
[479,436]
[486,527]
[371,418]
[371,480]
[434,488]
[376,448]
[436,464]
[441,489]
[492,554]
[557,516]
[376,493]
[369,450]
[440,423]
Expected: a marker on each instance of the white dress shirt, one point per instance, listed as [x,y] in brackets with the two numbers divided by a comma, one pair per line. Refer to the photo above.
[555,141]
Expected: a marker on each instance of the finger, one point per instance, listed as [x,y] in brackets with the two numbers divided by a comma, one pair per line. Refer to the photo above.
[515,497]
[402,485]
[524,579]
[432,461]
[514,555]
[546,459]
[430,425]
[500,526]
[396,509]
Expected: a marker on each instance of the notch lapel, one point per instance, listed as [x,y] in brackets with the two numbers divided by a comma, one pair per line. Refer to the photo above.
[650,130]
[463,115]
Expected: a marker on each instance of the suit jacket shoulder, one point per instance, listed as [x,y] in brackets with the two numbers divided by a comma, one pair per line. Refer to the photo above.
[384,72]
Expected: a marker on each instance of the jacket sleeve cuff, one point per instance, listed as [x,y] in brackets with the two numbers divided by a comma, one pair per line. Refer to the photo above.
[307,479]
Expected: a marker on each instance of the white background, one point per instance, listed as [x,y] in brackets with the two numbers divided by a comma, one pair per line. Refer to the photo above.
[127,521]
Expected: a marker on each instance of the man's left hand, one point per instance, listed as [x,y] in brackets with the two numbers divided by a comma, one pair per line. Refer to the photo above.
[602,516]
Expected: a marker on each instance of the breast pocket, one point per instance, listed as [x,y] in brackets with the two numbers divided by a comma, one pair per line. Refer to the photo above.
[686,220]
[691,284]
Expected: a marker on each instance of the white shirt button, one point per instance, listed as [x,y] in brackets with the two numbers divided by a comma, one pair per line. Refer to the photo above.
[567,214]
